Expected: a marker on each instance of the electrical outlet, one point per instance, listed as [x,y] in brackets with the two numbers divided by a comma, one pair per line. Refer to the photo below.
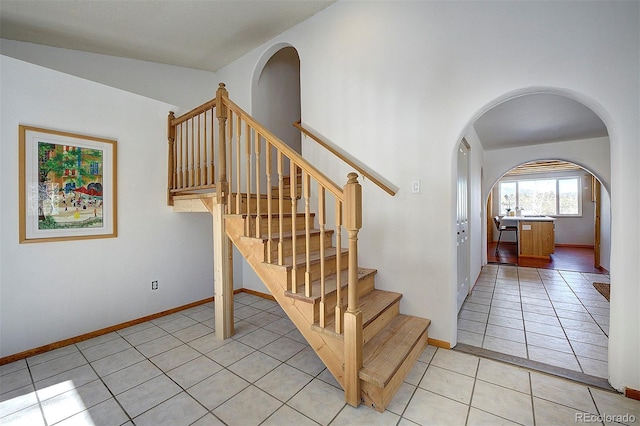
[154,285]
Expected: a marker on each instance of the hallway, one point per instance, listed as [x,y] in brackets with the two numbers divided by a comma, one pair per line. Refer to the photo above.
[554,317]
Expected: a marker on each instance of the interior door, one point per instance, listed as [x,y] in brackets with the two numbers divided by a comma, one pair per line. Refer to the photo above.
[462,223]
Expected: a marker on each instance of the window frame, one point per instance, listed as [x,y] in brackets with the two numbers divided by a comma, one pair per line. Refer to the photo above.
[502,210]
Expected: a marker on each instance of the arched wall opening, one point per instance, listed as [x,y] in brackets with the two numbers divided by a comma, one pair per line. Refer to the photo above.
[488,166]
[276,93]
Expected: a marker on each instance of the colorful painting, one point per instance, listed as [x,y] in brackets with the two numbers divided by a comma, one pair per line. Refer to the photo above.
[68,184]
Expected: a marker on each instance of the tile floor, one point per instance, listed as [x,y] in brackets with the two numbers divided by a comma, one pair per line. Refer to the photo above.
[551,316]
[171,371]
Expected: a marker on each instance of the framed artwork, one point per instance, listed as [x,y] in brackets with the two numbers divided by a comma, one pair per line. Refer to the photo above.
[67,186]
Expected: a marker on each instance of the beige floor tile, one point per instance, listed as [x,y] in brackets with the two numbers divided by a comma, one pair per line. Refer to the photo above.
[216,389]
[107,413]
[616,404]
[560,391]
[505,375]
[130,377]
[117,361]
[549,413]
[74,401]
[468,338]
[319,401]
[505,346]
[594,367]
[350,416]
[503,402]
[175,357]
[506,322]
[194,371]
[235,411]
[286,415]
[180,410]
[506,333]
[401,398]
[283,382]
[448,383]
[560,344]
[254,366]
[193,332]
[456,361]
[428,408]
[587,350]
[159,345]
[283,348]
[482,418]
[230,353]
[62,382]
[545,329]
[553,357]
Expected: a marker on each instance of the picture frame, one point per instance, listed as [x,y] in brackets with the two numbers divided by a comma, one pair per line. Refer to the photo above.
[67,186]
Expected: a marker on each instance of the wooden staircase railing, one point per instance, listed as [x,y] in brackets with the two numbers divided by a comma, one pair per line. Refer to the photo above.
[267,201]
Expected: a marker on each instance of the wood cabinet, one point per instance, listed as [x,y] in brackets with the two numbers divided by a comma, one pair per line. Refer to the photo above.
[536,238]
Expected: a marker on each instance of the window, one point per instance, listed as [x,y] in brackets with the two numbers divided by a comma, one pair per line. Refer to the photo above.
[548,197]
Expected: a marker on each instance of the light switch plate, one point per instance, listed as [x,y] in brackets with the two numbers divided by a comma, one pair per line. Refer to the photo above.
[415,186]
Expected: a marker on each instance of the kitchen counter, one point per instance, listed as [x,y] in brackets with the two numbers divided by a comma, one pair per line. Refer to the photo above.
[536,235]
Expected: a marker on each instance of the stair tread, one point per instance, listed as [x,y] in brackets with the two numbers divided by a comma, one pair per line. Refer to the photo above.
[385,352]
[371,304]
[330,285]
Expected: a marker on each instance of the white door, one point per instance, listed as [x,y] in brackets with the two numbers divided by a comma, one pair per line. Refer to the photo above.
[462,222]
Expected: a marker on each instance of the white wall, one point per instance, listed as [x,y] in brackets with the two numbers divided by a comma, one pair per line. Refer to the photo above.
[397,83]
[57,290]
[184,87]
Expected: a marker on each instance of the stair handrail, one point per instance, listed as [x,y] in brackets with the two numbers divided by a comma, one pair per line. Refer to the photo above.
[300,160]
[347,158]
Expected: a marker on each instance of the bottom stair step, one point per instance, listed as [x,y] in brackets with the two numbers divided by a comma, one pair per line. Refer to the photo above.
[386,352]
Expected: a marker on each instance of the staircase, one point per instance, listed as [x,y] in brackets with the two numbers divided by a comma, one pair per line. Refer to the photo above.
[284,232]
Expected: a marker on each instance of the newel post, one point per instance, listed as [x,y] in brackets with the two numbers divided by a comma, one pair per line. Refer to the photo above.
[353,315]
[171,137]
[223,285]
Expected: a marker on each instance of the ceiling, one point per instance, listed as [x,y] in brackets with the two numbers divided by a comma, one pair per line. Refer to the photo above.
[209,34]
[536,119]
[204,34]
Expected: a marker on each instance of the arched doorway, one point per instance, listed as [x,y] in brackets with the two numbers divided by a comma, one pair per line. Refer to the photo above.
[522,128]
[276,94]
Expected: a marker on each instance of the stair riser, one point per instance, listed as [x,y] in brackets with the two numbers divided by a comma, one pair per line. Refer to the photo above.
[301,245]
[275,224]
[379,323]
[253,205]
[330,268]
[365,285]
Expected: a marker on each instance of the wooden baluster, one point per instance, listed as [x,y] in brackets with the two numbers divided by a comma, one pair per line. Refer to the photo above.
[212,149]
[294,209]
[230,160]
[321,221]
[180,158]
[339,308]
[307,227]
[198,170]
[258,145]
[238,162]
[171,137]
[353,316]
[280,210]
[192,162]
[205,157]
[269,197]
[248,174]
